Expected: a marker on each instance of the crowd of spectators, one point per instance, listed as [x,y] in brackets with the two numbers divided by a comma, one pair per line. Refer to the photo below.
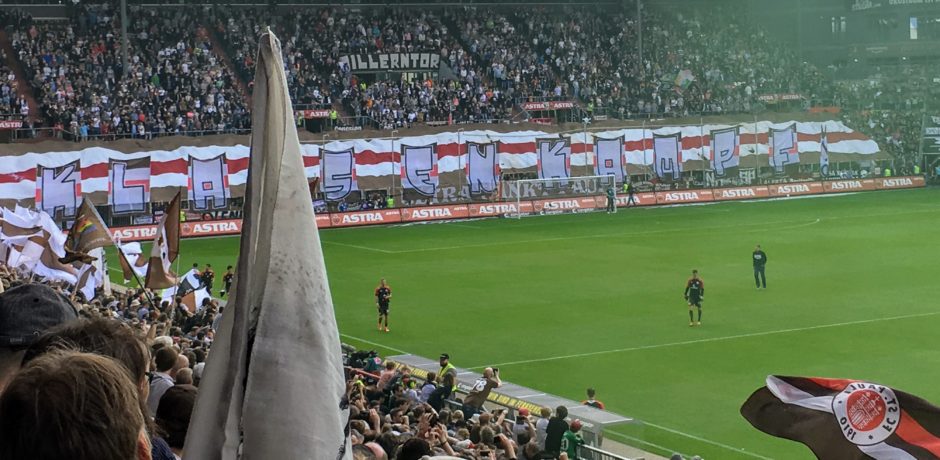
[174,82]
[703,60]
[136,361]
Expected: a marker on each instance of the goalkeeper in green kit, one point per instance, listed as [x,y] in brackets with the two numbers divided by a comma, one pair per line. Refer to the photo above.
[694,295]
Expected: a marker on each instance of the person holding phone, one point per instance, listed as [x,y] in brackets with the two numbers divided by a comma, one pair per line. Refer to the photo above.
[473,403]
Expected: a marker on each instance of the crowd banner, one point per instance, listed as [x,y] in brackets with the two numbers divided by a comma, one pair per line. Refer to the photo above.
[542,206]
[785,147]
[725,150]
[443,168]
[667,151]
[931,139]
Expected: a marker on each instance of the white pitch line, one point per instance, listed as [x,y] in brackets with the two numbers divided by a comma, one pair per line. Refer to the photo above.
[700,439]
[355,246]
[797,223]
[712,339]
[396,350]
[663,450]
[788,227]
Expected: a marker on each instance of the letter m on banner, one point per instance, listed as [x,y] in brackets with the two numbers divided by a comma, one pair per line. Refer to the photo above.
[554,159]
[129,186]
[58,189]
[785,149]
[666,159]
[725,150]
[419,169]
[609,158]
[482,168]
[208,183]
[338,174]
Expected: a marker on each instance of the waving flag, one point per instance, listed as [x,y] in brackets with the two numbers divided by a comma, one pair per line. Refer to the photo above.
[273,384]
[846,419]
[823,154]
[88,232]
[165,248]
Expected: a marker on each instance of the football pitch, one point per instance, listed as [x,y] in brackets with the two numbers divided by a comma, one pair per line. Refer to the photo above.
[562,303]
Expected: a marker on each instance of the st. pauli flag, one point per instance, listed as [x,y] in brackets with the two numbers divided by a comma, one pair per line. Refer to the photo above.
[273,385]
[846,419]
[88,232]
[165,248]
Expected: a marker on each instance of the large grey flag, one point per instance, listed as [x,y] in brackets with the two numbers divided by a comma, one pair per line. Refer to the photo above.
[273,383]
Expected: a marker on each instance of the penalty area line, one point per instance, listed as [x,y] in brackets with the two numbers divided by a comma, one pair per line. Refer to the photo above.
[374,344]
[691,436]
[708,340]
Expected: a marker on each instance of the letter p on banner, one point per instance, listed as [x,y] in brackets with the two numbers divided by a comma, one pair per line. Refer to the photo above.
[725,149]
[208,183]
[58,189]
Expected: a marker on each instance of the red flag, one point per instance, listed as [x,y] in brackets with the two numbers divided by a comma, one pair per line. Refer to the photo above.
[846,419]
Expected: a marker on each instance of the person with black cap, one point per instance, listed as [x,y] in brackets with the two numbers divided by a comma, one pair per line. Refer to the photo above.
[26,311]
[447,368]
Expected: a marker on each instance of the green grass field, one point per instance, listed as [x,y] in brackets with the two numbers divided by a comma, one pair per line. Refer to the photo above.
[561,303]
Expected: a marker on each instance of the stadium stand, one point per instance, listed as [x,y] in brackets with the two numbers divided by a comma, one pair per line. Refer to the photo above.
[189,66]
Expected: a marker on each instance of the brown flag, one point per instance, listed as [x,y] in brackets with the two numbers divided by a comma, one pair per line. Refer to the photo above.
[165,248]
[88,232]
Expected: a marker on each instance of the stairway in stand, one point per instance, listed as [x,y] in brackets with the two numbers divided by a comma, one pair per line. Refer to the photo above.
[219,50]
[23,87]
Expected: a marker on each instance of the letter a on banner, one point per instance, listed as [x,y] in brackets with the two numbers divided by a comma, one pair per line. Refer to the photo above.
[482,168]
[609,158]
[554,159]
[785,147]
[726,149]
[338,174]
[208,183]
[419,169]
[129,186]
[58,190]
[666,156]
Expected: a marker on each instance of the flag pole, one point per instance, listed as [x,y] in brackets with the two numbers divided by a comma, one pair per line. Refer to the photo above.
[136,277]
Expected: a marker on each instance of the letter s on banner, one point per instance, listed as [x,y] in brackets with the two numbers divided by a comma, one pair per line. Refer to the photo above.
[338,173]
[482,168]
[130,186]
[419,169]
[609,158]
[208,183]
[58,189]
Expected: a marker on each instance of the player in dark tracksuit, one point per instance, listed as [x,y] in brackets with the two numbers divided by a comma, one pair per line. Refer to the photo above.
[611,200]
[383,294]
[694,295]
[760,261]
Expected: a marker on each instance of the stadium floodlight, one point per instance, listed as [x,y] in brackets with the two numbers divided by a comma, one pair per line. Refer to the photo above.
[558,195]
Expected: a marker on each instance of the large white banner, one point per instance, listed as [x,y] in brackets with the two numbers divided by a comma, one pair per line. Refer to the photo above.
[554,160]
[666,151]
[378,161]
[608,159]
[786,149]
[725,150]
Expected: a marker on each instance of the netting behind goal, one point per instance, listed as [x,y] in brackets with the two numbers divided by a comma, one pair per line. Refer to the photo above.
[559,195]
